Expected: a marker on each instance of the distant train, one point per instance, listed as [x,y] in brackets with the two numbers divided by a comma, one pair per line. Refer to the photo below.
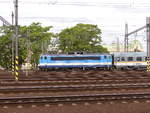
[122,60]
[130,60]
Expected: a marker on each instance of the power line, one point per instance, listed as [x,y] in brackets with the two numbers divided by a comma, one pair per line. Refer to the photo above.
[97,4]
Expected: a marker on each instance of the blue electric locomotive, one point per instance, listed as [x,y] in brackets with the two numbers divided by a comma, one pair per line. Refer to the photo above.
[75,61]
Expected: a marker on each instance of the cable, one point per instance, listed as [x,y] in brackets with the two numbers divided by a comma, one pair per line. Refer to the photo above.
[82,3]
[95,4]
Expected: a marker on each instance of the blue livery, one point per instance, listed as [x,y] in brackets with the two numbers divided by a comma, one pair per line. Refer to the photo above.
[72,61]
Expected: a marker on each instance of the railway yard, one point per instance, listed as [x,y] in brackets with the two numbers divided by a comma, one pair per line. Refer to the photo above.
[73,56]
[75,91]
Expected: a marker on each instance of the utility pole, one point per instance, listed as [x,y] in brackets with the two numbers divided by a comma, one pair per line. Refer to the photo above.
[118,45]
[13,46]
[28,54]
[148,42]
[148,35]
[12,17]
[126,38]
[16,41]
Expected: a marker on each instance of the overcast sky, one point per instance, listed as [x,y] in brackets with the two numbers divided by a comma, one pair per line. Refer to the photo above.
[109,15]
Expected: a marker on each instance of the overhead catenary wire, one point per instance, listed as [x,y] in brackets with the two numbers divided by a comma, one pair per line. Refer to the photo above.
[87,3]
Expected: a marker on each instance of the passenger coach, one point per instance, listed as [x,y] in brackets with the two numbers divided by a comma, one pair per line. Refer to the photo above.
[130,60]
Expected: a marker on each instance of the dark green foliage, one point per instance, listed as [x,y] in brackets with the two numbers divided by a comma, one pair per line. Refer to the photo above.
[5,51]
[35,33]
[40,39]
[82,37]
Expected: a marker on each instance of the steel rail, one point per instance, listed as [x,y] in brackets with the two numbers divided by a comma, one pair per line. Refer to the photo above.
[29,83]
[72,81]
[73,78]
[75,87]
[74,98]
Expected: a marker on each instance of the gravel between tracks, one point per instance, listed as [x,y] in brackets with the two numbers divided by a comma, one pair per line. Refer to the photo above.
[49,93]
[97,107]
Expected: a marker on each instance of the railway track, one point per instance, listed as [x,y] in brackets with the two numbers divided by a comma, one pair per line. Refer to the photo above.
[69,81]
[74,98]
[74,87]
[74,73]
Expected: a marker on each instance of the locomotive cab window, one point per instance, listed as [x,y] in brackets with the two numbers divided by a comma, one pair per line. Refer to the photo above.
[138,58]
[41,58]
[45,57]
[118,58]
[130,58]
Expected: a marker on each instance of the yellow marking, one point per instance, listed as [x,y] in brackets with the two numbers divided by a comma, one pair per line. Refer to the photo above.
[17,57]
[16,78]
[148,65]
[16,62]
[16,73]
[16,68]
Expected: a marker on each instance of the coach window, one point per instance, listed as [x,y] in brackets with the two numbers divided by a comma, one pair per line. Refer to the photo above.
[45,57]
[118,58]
[130,58]
[41,58]
[138,58]
[122,59]
[105,57]
[146,58]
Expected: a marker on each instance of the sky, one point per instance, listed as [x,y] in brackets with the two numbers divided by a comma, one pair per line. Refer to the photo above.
[109,15]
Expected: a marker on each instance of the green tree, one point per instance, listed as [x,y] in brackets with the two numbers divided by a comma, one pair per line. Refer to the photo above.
[82,37]
[38,36]
[5,47]
[40,39]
